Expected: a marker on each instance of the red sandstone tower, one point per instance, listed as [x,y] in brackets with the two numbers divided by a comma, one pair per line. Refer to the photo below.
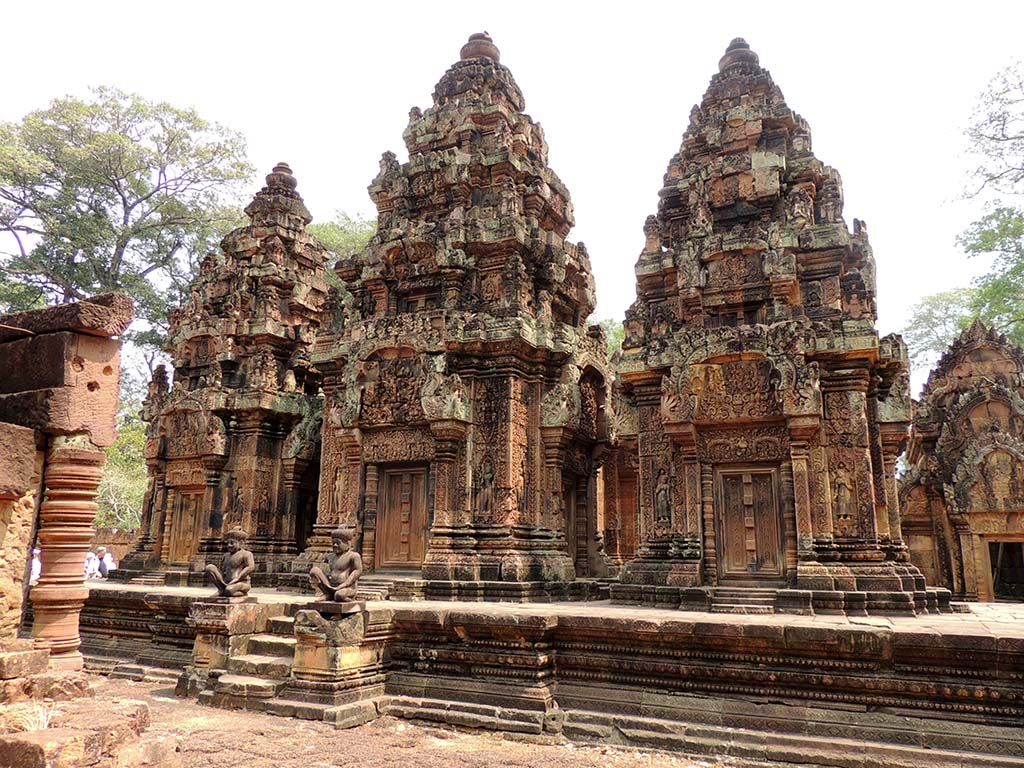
[466,398]
[770,413]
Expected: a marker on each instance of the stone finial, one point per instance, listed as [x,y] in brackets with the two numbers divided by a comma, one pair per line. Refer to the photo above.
[479,46]
[282,176]
[738,52]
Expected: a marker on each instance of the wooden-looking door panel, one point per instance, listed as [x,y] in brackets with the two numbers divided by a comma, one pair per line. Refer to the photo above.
[750,541]
[402,525]
[185,527]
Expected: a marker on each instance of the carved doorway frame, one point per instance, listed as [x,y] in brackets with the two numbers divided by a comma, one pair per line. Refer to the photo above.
[759,527]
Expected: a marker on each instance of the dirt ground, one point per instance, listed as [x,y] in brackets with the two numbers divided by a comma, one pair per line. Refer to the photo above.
[217,738]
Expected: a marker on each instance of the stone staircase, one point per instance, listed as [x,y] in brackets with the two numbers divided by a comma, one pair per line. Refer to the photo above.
[257,675]
[748,600]
[150,579]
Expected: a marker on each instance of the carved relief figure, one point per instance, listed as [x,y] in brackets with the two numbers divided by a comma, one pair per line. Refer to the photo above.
[842,501]
[663,498]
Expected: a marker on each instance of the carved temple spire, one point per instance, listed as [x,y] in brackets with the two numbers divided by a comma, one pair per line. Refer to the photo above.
[278,198]
[744,203]
[243,380]
[480,46]
[470,264]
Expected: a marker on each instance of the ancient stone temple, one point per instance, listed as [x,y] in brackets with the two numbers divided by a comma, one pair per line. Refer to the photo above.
[962,499]
[467,404]
[235,440]
[770,414]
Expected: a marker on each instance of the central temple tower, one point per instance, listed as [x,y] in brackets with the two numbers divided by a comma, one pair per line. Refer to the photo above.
[466,399]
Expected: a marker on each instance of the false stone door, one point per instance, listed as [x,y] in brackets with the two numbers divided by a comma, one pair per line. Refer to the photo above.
[749,529]
[402,522]
[186,526]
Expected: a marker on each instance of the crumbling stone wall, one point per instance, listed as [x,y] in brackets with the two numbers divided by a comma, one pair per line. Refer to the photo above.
[58,399]
[20,472]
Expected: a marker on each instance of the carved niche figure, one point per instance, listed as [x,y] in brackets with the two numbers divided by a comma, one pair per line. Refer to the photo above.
[800,207]
[842,499]
[663,498]
[485,487]
[216,436]
[345,568]
[232,579]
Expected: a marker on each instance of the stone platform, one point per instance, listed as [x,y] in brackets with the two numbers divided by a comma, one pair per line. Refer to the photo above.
[928,690]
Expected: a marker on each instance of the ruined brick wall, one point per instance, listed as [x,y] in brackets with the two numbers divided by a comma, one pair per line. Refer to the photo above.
[20,473]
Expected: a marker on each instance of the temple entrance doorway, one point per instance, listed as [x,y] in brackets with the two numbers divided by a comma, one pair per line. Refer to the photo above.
[306,503]
[575,497]
[1007,558]
[402,526]
[749,530]
[185,526]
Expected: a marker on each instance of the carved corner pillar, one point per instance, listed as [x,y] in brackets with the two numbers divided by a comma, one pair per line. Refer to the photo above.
[671,493]
[449,436]
[292,470]
[73,473]
[368,546]
[339,499]
[803,432]
[211,545]
[555,440]
[146,550]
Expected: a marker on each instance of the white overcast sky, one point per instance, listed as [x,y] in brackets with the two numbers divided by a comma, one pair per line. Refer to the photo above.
[886,87]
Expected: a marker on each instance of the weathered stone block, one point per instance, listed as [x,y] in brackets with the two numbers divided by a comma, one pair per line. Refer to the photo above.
[22,663]
[51,748]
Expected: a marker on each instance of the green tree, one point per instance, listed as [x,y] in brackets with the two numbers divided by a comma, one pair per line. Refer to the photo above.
[123,487]
[996,136]
[344,235]
[113,193]
[614,332]
[935,321]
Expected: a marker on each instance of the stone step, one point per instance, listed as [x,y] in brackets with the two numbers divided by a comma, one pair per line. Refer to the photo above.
[247,686]
[751,599]
[302,710]
[743,609]
[751,592]
[140,673]
[259,665]
[281,625]
[272,645]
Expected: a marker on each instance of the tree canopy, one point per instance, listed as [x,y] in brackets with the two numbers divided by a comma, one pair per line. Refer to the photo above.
[996,136]
[344,235]
[113,193]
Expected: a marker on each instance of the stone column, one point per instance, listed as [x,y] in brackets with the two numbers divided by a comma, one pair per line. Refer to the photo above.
[73,473]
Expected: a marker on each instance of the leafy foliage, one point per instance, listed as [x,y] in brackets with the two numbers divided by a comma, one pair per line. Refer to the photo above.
[935,321]
[996,135]
[614,332]
[345,235]
[123,486]
[114,193]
